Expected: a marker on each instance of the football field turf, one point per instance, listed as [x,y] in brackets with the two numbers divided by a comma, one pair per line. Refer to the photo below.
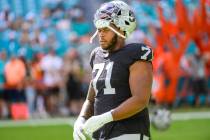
[193,129]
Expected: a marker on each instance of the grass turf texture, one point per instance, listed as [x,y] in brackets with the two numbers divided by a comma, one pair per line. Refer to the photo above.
[179,130]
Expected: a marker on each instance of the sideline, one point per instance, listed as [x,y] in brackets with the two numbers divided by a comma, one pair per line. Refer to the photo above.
[181,116]
[190,116]
[37,122]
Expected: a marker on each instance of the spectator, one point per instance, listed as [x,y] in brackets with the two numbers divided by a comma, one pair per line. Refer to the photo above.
[73,79]
[199,81]
[3,109]
[51,65]
[15,72]
[39,87]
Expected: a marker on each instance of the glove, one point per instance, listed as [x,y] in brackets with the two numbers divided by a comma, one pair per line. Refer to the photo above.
[96,122]
[77,134]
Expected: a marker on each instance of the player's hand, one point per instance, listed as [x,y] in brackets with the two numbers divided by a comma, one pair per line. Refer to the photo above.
[78,125]
[96,122]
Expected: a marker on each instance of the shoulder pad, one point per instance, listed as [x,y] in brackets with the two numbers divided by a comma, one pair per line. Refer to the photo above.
[146,53]
[140,51]
[92,56]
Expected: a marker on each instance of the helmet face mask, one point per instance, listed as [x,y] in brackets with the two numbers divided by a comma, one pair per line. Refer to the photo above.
[117,13]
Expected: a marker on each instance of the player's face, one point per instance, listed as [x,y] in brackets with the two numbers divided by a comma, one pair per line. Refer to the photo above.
[107,38]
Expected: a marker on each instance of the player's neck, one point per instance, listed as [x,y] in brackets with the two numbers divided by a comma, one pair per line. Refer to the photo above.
[120,44]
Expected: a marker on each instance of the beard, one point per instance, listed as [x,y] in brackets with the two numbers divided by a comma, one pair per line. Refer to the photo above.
[112,44]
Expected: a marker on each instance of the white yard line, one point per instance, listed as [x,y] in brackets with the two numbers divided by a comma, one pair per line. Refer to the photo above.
[38,122]
[70,121]
[190,115]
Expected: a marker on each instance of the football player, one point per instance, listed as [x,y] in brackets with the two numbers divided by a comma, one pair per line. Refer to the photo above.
[119,92]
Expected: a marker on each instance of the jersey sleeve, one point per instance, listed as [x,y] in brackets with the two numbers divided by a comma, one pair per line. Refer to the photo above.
[141,52]
[92,57]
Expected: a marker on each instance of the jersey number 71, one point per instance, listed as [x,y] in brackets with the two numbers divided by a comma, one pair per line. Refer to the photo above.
[100,67]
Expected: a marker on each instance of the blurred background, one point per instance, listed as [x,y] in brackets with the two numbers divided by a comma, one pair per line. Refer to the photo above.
[44,59]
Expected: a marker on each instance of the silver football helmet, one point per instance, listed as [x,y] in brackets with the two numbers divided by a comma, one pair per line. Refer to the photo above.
[118,13]
[161,119]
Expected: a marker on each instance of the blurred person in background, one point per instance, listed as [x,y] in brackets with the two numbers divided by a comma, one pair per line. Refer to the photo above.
[51,64]
[73,81]
[207,59]
[28,85]
[39,87]
[3,108]
[199,80]
[15,74]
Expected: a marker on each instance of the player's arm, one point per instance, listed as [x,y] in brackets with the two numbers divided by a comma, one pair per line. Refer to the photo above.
[140,82]
[87,108]
[86,112]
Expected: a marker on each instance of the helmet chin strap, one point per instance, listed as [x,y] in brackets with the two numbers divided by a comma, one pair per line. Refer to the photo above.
[94,35]
[119,34]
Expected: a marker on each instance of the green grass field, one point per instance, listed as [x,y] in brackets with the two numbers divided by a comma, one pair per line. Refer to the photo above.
[179,130]
[185,130]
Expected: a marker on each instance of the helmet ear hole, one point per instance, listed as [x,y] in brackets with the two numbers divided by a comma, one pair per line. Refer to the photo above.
[127,23]
[119,13]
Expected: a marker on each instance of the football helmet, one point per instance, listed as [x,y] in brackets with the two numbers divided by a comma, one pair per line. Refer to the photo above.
[118,13]
[161,119]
